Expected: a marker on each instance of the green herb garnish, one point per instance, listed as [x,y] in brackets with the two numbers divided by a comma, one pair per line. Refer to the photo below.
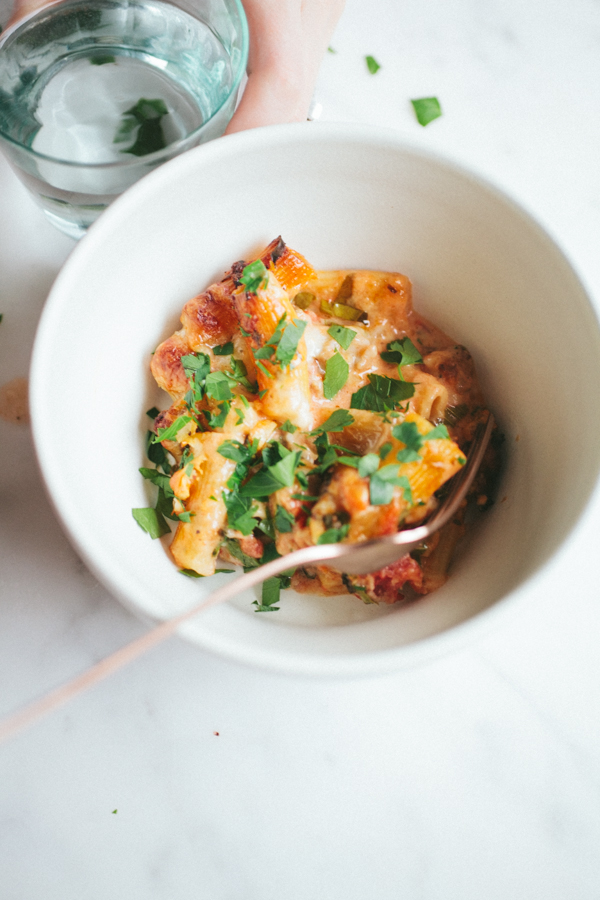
[284,520]
[289,341]
[223,349]
[151,413]
[170,433]
[254,276]
[426,109]
[217,386]
[337,421]
[152,521]
[289,427]
[402,352]
[381,394]
[336,375]
[333,535]
[217,420]
[372,64]
[344,336]
[382,483]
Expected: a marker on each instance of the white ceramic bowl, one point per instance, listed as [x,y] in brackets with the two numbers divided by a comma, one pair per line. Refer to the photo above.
[346,197]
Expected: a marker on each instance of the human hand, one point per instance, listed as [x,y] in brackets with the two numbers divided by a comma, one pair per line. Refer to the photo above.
[288,39]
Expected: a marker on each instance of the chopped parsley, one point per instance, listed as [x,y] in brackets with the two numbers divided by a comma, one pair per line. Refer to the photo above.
[290,339]
[381,394]
[218,420]
[284,520]
[336,375]
[191,573]
[151,413]
[145,117]
[217,386]
[368,464]
[223,349]
[426,109]
[372,64]
[403,352]
[240,512]
[344,336]
[152,521]
[382,483]
[409,434]
[337,421]
[170,433]
[333,535]
[278,470]
[289,427]
[271,593]
[254,276]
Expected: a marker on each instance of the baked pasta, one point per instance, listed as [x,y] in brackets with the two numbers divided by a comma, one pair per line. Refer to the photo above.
[310,407]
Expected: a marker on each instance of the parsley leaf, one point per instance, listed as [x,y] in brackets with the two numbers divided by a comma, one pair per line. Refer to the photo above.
[382,483]
[368,464]
[238,372]
[336,375]
[146,117]
[271,592]
[337,421]
[344,336]
[223,349]
[170,433]
[402,352]
[217,386]
[235,451]
[151,521]
[289,341]
[161,481]
[274,475]
[426,109]
[372,64]
[284,520]
[333,535]
[151,413]
[254,276]
[289,427]
[381,394]
[409,434]
[218,420]
[439,432]
[240,513]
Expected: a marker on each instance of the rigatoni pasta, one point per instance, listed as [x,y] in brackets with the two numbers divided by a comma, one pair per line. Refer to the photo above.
[310,407]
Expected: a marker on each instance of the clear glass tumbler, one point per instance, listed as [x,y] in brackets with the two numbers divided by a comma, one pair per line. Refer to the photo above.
[96,93]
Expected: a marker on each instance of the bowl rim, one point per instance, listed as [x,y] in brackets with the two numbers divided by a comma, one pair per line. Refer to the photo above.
[319,664]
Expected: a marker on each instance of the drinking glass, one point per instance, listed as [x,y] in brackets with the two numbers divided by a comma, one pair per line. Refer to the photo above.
[96,93]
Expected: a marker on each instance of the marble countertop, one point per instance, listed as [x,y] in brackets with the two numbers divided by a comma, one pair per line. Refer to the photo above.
[185,776]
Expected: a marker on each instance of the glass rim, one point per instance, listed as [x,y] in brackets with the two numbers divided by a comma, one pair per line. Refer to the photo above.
[170,149]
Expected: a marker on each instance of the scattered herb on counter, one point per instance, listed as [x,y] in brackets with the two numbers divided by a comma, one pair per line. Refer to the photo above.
[427,109]
[372,64]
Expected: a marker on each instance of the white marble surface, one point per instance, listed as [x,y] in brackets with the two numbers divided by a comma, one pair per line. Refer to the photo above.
[477,776]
